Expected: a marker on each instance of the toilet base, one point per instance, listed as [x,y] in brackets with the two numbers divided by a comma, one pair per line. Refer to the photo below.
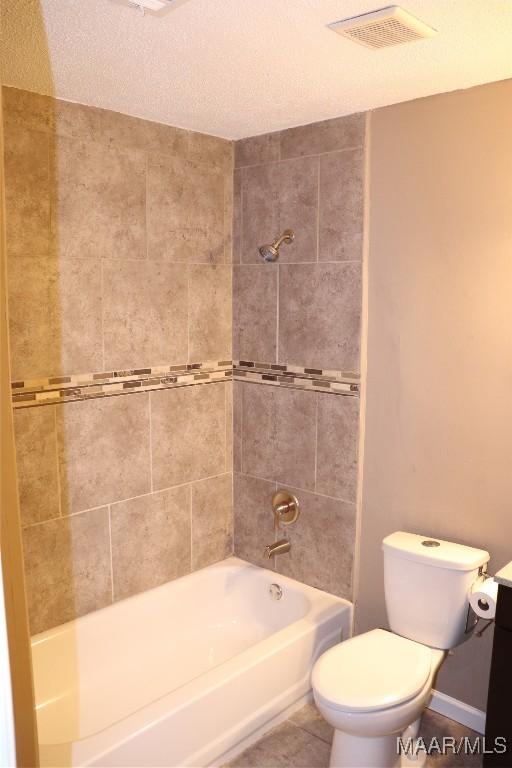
[349,751]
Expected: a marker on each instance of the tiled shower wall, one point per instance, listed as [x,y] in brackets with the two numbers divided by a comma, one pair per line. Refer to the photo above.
[120,251]
[119,259]
[303,311]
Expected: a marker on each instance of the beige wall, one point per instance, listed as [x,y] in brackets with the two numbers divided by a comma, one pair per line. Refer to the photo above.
[438,441]
[119,259]
[303,311]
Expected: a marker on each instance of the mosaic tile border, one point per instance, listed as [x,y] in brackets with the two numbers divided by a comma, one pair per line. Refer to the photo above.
[297,377]
[61,389]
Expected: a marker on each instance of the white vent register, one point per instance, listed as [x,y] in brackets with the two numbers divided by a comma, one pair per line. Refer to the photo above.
[383,28]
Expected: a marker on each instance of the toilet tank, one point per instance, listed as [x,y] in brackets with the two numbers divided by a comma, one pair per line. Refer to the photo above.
[427,584]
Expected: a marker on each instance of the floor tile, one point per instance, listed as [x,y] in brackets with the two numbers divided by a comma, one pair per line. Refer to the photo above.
[304,741]
[282,747]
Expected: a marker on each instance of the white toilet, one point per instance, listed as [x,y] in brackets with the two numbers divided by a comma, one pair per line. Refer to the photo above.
[375,686]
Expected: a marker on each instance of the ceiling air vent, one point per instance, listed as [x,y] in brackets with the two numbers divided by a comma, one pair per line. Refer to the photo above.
[383,28]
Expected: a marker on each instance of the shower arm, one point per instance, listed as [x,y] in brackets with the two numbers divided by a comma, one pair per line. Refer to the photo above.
[286,237]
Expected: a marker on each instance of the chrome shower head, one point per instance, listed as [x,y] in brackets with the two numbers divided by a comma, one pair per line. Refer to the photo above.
[270,251]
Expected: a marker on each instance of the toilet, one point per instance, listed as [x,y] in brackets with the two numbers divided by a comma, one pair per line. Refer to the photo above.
[375,686]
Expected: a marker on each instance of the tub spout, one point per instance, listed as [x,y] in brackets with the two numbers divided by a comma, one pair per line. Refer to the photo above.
[278,548]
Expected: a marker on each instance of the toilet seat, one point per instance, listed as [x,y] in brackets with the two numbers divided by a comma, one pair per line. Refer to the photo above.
[371,672]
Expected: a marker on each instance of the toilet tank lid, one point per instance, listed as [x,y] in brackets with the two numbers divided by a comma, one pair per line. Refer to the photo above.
[435,552]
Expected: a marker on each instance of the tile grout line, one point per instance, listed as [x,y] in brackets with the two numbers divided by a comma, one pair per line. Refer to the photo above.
[130,498]
[302,263]
[281,159]
[310,733]
[296,487]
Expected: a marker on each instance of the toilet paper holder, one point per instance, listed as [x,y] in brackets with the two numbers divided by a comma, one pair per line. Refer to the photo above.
[472,620]
[471,627]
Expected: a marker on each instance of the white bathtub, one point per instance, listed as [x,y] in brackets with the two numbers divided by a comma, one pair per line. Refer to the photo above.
[182,674]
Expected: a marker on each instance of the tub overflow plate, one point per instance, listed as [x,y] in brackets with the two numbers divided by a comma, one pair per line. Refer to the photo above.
[275,592]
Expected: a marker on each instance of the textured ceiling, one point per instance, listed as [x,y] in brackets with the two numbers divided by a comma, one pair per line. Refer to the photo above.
[236,68]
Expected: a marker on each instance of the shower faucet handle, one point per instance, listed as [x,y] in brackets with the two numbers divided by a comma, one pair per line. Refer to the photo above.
[286,508]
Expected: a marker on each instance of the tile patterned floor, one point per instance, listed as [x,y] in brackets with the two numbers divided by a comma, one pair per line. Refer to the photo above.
[304,741]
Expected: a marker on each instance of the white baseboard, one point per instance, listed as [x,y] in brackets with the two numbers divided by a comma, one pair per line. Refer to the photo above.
[456,710]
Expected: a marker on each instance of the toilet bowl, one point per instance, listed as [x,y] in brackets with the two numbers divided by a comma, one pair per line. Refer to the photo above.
[370,689]
[375,686]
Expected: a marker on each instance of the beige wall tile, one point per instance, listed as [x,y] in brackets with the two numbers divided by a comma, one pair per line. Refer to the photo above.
[103,450]
[98,200]
[67,568]
[228,216]
[150,540]
[278,438]
[254,519]
[210,316]
[338,438]
[256,150]
[320,315]
[24,110]
[211,150]
[229,426]
[238,388]
[237,217]
[322,544]
[36,459]
[276,197]
[145,313]
[132,133]
[212,520]
[76,121]
[185,211]
[326,136]
[341,206]
[255,312]
[188,434]
[27,192]
[54,316]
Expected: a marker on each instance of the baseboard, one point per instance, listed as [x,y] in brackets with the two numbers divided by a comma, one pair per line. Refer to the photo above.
[456,710]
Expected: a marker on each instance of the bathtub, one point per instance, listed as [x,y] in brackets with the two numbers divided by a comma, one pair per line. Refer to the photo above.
[185,674]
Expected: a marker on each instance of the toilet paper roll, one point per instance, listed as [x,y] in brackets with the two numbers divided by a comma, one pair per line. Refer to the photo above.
[482,599]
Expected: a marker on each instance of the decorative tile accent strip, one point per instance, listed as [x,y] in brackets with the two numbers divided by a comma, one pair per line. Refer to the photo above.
[296,377]
[90,385]
[61,389]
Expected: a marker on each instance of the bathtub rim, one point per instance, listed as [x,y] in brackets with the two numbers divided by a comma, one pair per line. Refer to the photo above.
[323,607]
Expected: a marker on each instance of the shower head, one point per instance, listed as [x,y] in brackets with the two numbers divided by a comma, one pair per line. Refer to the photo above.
[270,251]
